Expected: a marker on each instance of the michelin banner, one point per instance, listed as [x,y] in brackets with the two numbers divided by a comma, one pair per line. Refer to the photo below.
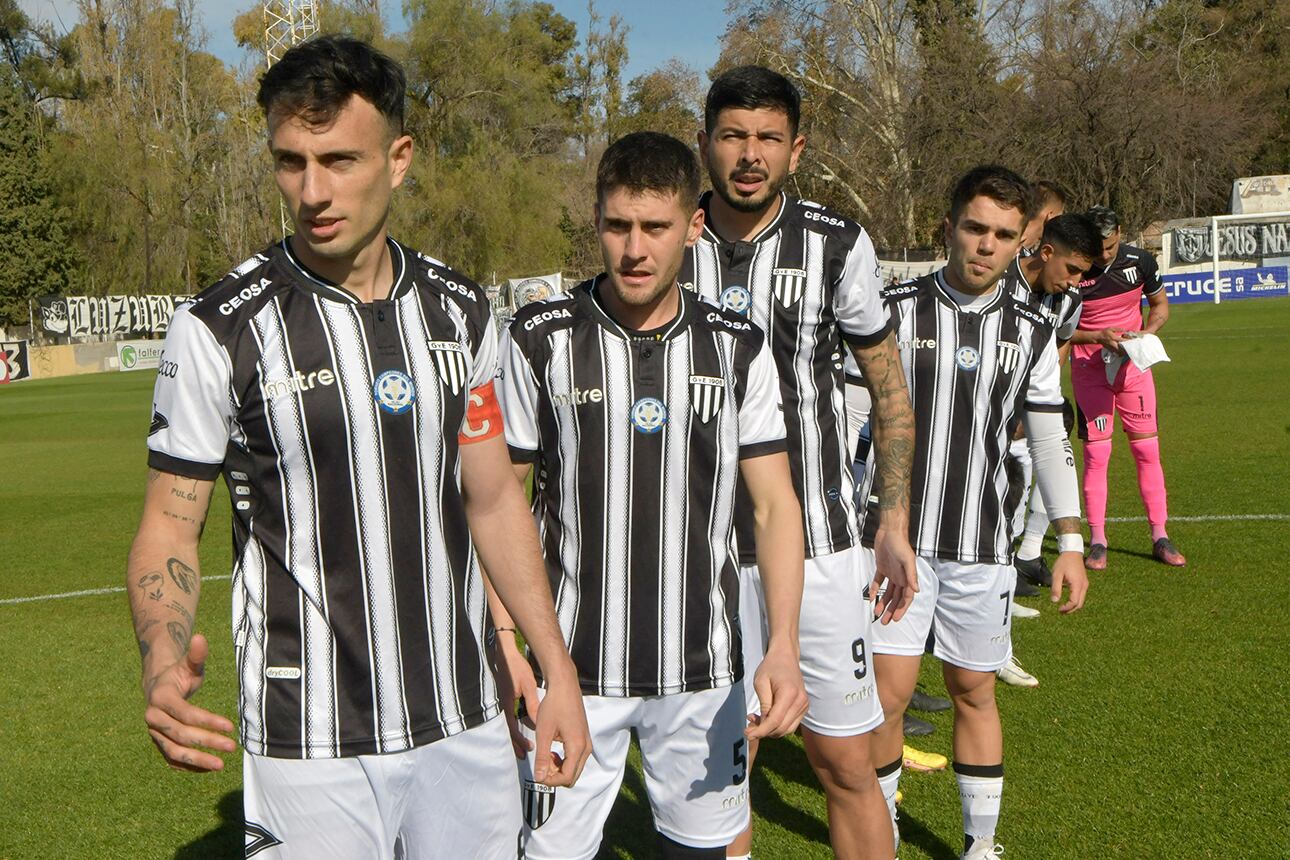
[1250,283]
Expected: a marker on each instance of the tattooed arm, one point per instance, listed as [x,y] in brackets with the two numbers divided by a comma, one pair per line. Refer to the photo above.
[163,583]
[892,428]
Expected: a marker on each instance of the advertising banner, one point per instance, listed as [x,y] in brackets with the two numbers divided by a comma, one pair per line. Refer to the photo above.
[82,316]
[139,354]
[15,356]
[1248,283]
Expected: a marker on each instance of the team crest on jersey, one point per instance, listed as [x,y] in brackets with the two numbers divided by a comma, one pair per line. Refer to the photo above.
[707,393]
[1131,274]
[736,299]
[539,801]
[394,392]
[259,839]
[789,285]
[967,357]
[1009,355]
[450,361]
[649,415]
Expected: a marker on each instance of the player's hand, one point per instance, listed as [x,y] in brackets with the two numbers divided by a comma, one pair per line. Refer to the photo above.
[1110,339]
[561,718]
[515,681]
[179,729]
[896,567]
[779,686]
[1069,570]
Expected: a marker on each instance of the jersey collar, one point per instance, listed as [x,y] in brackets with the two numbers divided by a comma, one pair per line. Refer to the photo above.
[1000,295]
[705,201]
[328,289]
[585,295]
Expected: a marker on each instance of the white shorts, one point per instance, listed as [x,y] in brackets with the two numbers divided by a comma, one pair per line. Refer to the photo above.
[969,606]
[457,797]
[694,756]
[834,638]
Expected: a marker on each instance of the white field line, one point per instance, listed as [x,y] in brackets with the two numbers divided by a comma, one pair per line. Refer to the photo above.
[1205,518]
[89,592]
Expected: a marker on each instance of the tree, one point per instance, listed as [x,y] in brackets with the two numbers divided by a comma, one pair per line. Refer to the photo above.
[37,258]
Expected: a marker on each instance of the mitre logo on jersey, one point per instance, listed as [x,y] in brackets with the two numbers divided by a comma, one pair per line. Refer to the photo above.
[298,384]
[967,358]
[736,299]
[394,392]
[789,285]
[450,361]
[1009,355]
[578,396]
[649,415]
[707,393]
[539,801]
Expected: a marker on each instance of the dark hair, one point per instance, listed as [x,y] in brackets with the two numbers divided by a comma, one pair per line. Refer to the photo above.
[1104,219]
[1075,233]
[1047,192]
[649,161]
[752,87]
[316,78]
[999,184]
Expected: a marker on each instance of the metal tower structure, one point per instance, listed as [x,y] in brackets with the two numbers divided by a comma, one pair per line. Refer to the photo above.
[287,23]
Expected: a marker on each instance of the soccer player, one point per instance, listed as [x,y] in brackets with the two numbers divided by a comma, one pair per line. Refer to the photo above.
[809,278]
[978,360]
[1050,198]
[1106,383]
[342,384]
[640,406]
[1048,280]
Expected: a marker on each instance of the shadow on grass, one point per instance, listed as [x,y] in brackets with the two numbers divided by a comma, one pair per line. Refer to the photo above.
[913,832]
[225,842]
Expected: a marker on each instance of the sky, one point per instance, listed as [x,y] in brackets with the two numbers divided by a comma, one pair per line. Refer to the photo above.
[658,29]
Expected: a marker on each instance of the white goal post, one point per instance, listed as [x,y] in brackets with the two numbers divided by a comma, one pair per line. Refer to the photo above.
[1214,220]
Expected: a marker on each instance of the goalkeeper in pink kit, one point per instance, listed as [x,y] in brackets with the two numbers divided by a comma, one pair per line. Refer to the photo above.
[1106,382]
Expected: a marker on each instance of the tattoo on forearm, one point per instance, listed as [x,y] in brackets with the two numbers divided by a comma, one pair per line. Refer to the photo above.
[1066,526]
[143,649]
[180,634]
[183,575]
[182,610]
[893,425]
[152,584]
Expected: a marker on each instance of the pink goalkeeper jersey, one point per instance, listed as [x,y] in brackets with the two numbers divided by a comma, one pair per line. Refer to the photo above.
[1113,298]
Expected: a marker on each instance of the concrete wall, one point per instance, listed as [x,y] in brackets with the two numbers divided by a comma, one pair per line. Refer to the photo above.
[70,359]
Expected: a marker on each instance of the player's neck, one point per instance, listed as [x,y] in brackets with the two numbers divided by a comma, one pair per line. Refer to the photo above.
[368,274]
[1032,269]
[656,314]
[735,225]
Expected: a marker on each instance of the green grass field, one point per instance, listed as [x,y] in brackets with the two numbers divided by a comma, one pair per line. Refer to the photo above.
[1159,730]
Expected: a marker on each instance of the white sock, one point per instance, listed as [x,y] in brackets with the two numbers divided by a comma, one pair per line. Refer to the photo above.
[889,781]
[1036,527]
[980,794]
[747,856]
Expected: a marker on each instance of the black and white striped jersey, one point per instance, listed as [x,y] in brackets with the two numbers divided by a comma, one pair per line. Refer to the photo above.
[358,607]
[636,438]
[1061,309]
[810,280]
[970,375]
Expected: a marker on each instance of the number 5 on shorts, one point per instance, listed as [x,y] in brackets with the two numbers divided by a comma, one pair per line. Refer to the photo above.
[741,763]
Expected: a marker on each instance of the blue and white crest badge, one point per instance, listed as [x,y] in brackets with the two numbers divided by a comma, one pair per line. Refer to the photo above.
[450,362]
[967,357]
[736,299]
[649,415]
[707,394]
[394,392]
[789,285]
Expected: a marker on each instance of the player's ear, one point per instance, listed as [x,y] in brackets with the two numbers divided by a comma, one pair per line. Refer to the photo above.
[695,227]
